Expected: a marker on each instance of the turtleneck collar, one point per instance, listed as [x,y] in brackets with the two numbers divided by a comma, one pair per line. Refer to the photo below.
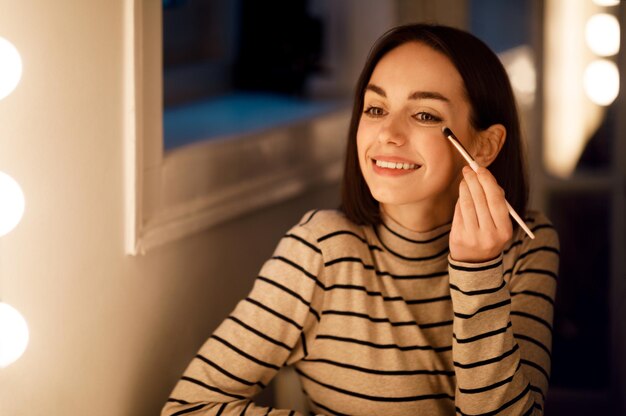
[413,245]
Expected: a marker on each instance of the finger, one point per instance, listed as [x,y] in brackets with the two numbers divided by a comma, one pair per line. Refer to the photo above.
[496,202]
[480,200]
[466,208]
[457,219]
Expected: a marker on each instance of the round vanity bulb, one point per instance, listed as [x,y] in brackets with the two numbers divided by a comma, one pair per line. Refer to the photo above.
[601,81]
[10,67]
[11,203]
[602,34]
[13,335]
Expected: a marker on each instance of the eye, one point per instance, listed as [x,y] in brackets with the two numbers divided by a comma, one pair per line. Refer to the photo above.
[374,111]
[426,117]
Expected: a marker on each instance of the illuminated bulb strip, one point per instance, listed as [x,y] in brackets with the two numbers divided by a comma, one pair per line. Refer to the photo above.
[13,328]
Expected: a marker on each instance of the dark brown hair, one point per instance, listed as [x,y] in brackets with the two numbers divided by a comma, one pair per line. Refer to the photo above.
[491,99]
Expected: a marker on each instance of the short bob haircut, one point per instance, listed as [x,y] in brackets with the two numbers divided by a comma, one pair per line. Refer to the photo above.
[491,100]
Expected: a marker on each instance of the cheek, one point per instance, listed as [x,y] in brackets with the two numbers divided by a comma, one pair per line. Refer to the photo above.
[444,164]
[438,151]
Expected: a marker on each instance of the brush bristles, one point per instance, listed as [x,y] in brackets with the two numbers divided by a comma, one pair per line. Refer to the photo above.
[446,131]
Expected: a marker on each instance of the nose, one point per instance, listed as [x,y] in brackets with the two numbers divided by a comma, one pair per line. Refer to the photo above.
[393,131]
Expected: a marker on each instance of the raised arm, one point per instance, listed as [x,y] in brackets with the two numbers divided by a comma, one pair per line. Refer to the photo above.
[503,308]
[503,326]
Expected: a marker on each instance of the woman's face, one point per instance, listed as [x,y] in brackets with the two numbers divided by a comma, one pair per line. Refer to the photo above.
[404,157]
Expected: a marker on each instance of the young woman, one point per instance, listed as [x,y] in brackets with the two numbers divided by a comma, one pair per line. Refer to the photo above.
[418,296]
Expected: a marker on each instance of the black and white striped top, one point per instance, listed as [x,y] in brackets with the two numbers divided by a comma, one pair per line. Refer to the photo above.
[380,321]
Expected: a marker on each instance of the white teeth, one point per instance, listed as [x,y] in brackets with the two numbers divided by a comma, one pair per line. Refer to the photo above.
[393,165]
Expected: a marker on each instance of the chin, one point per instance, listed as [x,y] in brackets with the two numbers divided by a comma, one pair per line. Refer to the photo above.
[390,198]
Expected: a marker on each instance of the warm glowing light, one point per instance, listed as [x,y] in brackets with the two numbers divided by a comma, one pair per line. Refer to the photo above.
[13,335]
[602,81]
[606,2]
[520,67]
[571,118]
[602,34]
[10,67]
[11,203]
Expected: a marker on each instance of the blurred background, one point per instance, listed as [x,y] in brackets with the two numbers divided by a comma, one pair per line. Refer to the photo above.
[163,148]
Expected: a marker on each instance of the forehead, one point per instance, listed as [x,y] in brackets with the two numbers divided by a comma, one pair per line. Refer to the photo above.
[415,66]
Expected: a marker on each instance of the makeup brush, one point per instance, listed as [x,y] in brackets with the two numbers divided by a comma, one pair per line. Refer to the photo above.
[472,163]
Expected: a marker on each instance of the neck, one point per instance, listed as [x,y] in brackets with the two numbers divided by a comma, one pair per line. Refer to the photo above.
[420,217]
[414,246]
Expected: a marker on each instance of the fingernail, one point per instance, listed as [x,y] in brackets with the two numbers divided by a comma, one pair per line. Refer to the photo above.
[466,170]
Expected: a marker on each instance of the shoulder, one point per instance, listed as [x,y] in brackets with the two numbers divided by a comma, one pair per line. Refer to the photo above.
[542,227]
[306,246]
[319,223]
[532,265]
[330,234]
[546,239]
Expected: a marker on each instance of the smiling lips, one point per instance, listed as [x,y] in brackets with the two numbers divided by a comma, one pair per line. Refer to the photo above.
[396,165]
[394,168]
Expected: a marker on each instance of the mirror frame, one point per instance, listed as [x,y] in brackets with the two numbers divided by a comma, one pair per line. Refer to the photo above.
[172,195]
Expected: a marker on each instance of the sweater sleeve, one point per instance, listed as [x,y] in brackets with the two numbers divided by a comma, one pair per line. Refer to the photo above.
[268,329]
[502,327]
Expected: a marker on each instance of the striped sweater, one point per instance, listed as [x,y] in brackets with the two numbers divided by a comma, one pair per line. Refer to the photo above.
[381,321]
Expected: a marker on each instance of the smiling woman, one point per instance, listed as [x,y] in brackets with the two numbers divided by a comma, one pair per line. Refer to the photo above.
[417,296]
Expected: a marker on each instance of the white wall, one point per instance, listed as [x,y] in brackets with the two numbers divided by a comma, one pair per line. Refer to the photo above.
[110,334]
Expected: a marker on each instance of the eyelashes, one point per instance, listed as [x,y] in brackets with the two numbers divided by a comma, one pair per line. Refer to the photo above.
[374,112]
[421,116]
[426,117]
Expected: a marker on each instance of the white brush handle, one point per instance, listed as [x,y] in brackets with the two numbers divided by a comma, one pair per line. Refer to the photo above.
[519,220]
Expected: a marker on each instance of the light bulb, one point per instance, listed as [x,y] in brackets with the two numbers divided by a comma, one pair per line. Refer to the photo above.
[13,334]
[601,81]
[10,67]
[11,203]
[606,2]
[602,34]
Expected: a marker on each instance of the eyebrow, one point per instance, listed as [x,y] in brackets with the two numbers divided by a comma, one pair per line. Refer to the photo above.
[416,95]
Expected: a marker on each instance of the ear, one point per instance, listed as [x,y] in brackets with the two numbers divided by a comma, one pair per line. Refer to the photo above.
[488,144]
